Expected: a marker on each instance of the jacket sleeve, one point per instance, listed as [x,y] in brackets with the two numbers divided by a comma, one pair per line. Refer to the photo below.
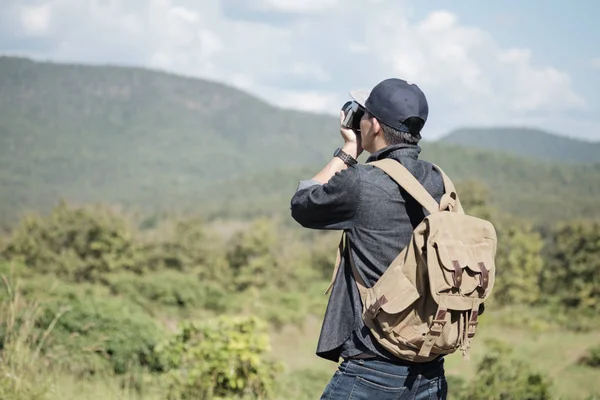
[328,206]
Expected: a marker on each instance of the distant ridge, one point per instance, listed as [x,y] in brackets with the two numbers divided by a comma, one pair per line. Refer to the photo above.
[527,142]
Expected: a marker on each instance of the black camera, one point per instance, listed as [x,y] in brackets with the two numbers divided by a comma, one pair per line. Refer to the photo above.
[353,112]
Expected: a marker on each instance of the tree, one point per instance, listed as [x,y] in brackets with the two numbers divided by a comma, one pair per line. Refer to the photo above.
[519,264]
[251,255]
[572,274]
[475,198]
[77,243]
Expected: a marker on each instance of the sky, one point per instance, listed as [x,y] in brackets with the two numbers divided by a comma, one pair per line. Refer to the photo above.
[504,63]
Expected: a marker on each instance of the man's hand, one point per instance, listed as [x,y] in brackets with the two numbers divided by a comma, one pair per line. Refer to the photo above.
[351,146]
[351,138]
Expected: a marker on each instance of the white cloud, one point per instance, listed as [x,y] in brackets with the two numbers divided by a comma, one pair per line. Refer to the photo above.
[468,78]
[308,101]
[312,70]
[300,6]
[36,19]
[537,88]
[358,48]
[185,14]
[210,43]
[596,62]
[314,57]
[438,21]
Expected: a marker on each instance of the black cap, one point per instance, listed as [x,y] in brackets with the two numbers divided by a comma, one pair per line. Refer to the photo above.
[393,101]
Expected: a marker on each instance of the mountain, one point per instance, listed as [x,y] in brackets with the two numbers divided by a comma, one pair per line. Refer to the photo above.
[532,189]
[157,142]
[129,135]
[528,143]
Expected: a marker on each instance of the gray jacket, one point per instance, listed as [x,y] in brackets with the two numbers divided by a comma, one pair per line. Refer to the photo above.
[378,218]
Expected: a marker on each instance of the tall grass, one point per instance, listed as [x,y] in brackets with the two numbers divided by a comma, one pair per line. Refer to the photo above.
[23,366]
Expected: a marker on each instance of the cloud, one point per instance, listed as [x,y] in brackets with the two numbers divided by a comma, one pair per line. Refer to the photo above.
[36,19]
[309,101]
[311,60]
[299,6]
[596,62]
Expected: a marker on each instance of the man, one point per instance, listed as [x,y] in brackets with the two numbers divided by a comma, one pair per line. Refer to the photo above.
[378,218]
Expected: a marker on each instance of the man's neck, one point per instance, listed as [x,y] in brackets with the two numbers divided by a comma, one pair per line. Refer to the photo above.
[378,146]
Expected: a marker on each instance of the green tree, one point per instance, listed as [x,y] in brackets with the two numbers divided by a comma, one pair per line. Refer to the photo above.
[572,275]
[190,247]
[224,358]
[251,255]
[475,198]
[519,264]
[77,243]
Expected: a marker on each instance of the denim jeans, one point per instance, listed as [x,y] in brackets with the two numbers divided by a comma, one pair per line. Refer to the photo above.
[360,379]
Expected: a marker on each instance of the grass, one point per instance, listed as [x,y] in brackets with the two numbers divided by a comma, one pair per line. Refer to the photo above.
[555,352]
[25,374]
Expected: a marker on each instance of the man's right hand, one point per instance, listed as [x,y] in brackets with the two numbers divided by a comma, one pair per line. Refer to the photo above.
[351,139]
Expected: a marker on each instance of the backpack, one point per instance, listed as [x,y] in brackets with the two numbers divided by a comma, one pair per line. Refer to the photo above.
[427,302]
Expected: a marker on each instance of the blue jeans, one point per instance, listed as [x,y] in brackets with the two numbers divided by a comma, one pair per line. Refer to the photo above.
[360,379]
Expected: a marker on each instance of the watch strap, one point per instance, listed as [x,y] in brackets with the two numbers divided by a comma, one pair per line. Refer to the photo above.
[345,157]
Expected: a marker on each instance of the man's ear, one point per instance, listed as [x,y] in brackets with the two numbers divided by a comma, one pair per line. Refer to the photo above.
[376,127]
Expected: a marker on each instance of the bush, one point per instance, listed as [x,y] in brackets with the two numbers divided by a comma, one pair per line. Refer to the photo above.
[171,289]
[81,244]
[475,199]
[519,264]
[222,358]
[251,255]
[189,247]
[97,332]
[573,265]
[502,376]
[592,359]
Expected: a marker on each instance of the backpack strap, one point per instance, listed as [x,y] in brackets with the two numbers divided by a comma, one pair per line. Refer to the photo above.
[408,182]
[338,259]
[450,198]
[471,329]
[359,282]
[437,326]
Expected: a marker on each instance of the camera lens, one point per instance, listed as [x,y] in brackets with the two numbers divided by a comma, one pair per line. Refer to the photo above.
[356,119]
[346,106]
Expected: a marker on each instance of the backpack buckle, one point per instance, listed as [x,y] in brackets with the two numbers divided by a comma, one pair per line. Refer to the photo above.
[473,323]
[376,306]
[457,274]
[437,327]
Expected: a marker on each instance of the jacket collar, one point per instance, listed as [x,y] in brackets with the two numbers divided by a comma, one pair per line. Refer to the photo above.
[395,151]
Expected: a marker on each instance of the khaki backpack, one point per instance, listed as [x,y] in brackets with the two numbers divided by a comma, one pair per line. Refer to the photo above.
[427,302]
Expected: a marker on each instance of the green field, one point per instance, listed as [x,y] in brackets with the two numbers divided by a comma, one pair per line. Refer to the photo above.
[555,353]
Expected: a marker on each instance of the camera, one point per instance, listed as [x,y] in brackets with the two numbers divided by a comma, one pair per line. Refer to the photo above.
[353,112]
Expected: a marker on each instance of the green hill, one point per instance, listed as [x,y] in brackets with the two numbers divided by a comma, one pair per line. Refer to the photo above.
[138,137]
[157,142]
[527,188]
[528,143]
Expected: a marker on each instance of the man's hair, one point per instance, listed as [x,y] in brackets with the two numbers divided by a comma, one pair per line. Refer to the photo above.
[393,136]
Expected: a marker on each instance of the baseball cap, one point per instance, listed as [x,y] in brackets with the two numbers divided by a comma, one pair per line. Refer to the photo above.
[393,101]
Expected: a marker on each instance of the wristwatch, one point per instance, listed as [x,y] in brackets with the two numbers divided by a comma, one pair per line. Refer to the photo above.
[345,157]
